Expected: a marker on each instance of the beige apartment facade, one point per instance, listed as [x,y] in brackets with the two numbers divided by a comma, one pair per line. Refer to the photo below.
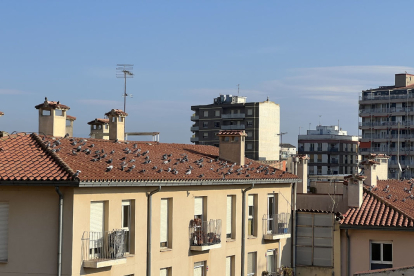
[28,189]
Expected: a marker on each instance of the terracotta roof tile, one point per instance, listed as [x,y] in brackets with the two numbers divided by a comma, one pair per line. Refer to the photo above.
[72,118]
[232,132]
[98,121]
[52,104]
[22,157]
[117,112]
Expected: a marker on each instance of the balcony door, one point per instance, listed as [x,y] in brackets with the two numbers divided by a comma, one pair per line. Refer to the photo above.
[271,212]
[96,228]
[271,261]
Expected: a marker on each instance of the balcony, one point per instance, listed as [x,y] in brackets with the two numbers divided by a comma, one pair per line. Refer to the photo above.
[233,116]
[334,149]
[194,117]
[334,161]
[195,128]
[205,235]
[194,139]
[385,97]
[276,227]
[230,127]
[104,249]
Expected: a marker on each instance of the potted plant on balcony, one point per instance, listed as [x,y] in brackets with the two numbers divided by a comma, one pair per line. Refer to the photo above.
[265,273]
[285,271]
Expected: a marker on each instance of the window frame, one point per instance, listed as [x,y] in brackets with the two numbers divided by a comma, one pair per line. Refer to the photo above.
[169,229]
[252,217]
[381,254]
[205,113]
[128,227]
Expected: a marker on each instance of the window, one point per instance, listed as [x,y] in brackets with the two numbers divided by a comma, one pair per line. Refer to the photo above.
[4,228]
[249,134]
[381,255]
[249,123]
[165,271]
[314,239]
[230,266]
[106,126]
[59,112]
[205,124]
[45,112]
[205,135]
[126,222]
[199,208]
[251,215]
[249,146]
[96,228]
[230,217]
[199,269]
[251,264]
[217,113]
[271,262]
[271,212]
[165,224]
[205,113]
[227,139]
[249,111]
[113,119]
[121,119]
[68,123]
[216,124]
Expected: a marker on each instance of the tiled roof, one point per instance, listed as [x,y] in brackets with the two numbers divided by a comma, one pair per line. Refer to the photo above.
[52,104]
[1,113]
[22,157]
[72,118]
[200,159]
[389,204]
[287,146]
[117,112]
[231,132]
[98,121]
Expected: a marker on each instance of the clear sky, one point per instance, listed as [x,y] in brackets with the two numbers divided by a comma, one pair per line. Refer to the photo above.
[311,57]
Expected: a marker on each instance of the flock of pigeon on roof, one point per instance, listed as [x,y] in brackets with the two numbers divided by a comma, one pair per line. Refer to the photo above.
[386,189]
[134,155]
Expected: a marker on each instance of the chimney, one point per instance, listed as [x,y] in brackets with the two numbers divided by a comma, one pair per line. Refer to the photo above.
[375,168]
[403,80]
[99,128]
[52,118]
[355,191]
[301,167]
[116,124]
[231,146]
[69,124]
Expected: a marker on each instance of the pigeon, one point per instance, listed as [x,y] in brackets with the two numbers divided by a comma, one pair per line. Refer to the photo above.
[176,172]
[79,148]
[58,149]
[201,175]
[109,168]
[169,170]
[123,158]
[142,171]
[77,173]
[154,168]
[73,143]
[135,146]
[74,152]
[188,172]
[103,156]
[109,161]
[116,141]
[66,135]
[112,151]
[132,160]
[160,170]
[92,145]
[165,162]
[94,160]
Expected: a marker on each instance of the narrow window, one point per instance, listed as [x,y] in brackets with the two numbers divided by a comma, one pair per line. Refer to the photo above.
[4,228]
[199,269]
[251,216]
[217,113]
[271,261]
[113,119]
[106,126]
[68,123]
[271,213]
[45,112]
[165,223]
[59,112]
[96,228]
[199,208]
[251,264]
[205,124]
[205,135]
[230,266]
[121,119]
[249,111]
[126,222]
[249,146]
[166,271]
[230,218]
[205,113]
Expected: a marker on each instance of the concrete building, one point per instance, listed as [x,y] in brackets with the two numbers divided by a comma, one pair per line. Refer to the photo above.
[260,120]
[286,151]
[331,150]
[151,209]
[387,120]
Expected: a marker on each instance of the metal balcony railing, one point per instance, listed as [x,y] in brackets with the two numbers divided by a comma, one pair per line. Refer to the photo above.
[278,224]
[194,117]
[333,149]
[385,97]
[233,116]
[195,128]
[108,245]
[205,232]
[227,127]
[386,123]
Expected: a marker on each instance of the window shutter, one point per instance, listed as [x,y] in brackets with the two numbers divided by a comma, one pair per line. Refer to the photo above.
[251,263]
[4,226]
[163,272]
[228,266]
[198,206]
[250,200]
[198,271]
[164,221]
[97,217]
[229,216]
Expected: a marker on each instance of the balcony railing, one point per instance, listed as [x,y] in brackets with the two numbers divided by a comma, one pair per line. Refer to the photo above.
[195,128]
[385,97]
[276,227]
[233,116]
[386,110]
[194,117]
[333,149]
[386,123]
[102,249]
[205,235]
[227,127]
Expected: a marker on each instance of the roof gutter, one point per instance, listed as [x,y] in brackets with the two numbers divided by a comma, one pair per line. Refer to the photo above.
[244,227]
[51,183]
[149,229]
[391,228]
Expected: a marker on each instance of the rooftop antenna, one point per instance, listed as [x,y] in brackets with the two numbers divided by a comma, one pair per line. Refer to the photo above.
[281,136]
[238,89]
[125,71]
[320,119]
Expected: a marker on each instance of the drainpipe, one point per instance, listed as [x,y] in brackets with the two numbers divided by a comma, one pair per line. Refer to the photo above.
[59,272]
[294,188]
[349,252]
[244,227]
[149,229]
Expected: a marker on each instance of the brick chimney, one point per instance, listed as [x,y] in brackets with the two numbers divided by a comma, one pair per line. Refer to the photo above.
[232,145]
[403,80]
[375,168]
[116,124]
[52,118]
[301,167]
[355,190]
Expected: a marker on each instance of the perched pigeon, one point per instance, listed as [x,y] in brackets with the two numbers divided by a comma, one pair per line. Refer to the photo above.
[66,135]
[77,173]
[109,168]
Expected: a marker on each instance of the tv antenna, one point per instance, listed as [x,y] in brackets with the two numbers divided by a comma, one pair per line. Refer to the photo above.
[238,89]
[125,71]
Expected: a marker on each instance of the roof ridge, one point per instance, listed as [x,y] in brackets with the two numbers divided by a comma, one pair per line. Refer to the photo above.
[388,204]
[55,157]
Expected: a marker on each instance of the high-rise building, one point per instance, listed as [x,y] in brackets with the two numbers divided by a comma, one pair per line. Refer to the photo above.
[387,124]
[331,150]
[260,120]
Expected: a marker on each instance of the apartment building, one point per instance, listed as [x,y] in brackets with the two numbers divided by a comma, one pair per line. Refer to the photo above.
[331,150]
[260,120]
[106,207]
[387,120]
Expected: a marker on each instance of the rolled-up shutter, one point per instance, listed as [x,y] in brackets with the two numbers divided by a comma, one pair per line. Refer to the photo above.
[229,214]
[250,200]
[228,266]
[198,206]
[4,226]
[251,263]
[97,217]
[163,272]
[164,221]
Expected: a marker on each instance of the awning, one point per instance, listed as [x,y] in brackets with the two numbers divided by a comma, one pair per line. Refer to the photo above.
[365,145]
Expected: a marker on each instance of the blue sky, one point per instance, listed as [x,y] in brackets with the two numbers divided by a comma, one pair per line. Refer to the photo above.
[311,57]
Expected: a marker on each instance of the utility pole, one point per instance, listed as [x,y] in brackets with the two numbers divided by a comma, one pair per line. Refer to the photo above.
[125,71]
[238,90]
[281,137]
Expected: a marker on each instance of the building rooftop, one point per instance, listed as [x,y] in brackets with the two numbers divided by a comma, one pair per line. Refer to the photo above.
[52,104]
[388,204]
[289,146]
[72,118]
[98,121]
[32,157]
[117,112]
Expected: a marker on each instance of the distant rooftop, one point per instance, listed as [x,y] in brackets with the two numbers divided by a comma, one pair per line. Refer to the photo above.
[229,99]
[289,146]
[324,130]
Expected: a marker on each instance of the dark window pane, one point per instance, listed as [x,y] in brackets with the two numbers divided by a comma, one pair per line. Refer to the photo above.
[380,266]
[250,210]
[125,223]
[387,252]
[376,251]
